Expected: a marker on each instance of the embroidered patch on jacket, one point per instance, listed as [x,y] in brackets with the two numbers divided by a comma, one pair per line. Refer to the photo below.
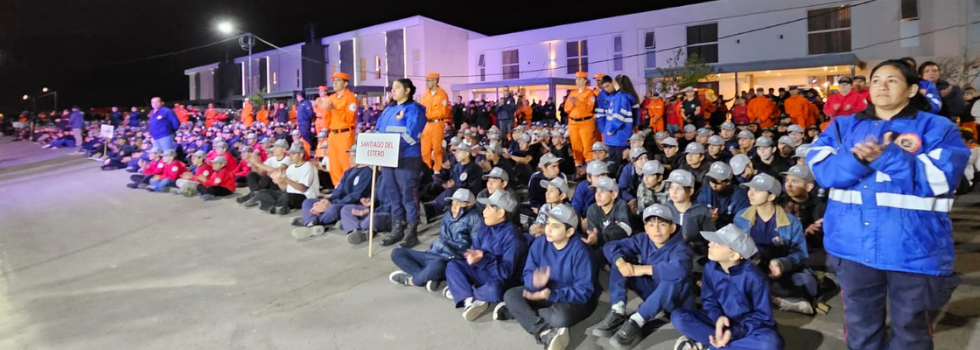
[909,142]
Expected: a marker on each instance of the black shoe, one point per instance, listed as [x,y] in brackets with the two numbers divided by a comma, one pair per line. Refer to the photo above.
[133,185]
[411,236]
[297,221]
[396,234]
[357,237]
[280,211]
[135,178]
[609,324]
[556,339]
[266,207]
[501,313]
[628,335]
[244,198]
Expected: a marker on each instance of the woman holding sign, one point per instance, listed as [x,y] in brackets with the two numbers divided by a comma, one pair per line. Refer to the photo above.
[405,117]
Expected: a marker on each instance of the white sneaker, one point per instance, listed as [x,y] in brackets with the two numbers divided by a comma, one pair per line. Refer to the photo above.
[318,230]
[475,310]
[399,277]
[432,285]
[446,293]
[559,339]
[798,306]
[302,232]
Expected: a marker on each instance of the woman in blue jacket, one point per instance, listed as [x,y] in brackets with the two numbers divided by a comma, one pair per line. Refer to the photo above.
[888,214]
[622,106]
[405,117]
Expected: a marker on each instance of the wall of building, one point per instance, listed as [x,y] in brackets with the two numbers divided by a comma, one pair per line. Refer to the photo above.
[444,52]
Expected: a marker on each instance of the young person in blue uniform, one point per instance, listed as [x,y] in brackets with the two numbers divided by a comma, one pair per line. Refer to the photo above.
[404,117]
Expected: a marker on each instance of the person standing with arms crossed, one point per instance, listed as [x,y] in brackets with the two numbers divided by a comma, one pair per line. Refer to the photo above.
[342,108]
[163,124]
[437,109]
[887,222]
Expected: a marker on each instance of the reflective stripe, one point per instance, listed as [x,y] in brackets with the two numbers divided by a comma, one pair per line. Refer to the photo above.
[625,112]
[936,177]
[620,118]
[404,133]
[904,201]
[846,196]
[882,177]
[396,129]
[822,153]
[408,139]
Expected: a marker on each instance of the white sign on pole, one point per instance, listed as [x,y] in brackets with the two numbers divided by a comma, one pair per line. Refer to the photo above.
[106,131]
[380,149]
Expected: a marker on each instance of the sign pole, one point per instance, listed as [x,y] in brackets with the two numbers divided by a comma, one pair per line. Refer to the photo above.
[374,178]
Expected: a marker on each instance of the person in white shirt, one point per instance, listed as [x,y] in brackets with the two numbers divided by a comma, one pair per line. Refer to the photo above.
[259,178]
[295,185]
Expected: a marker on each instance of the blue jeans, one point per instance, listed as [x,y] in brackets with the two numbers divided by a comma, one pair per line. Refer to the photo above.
[506,126]
[165,143]
[657,295]
[159,185]
[465,281]
[329,216]
[423,266]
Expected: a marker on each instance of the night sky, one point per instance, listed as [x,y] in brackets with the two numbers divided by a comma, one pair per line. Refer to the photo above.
[85,49]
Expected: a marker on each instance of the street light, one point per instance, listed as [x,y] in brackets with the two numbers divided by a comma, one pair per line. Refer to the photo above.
[26,97]
[246,41]
[44,90]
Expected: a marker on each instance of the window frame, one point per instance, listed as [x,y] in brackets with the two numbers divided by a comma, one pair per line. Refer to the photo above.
[510,70]
[700,46]
[841,30]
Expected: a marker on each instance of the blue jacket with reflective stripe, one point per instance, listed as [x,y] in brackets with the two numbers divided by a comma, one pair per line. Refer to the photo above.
[406,120]
[892,213]
[619,119]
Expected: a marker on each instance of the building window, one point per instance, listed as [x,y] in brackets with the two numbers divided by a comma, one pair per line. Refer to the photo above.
[297,78]
[702,41]
[377,67]
[650,48]
[618,53]
[511,64]
[363,71]
[910,10]
[829,30]
[578,56]
[481,63]
[416,62]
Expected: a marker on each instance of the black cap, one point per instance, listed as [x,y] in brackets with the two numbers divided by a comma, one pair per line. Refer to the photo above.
[860,77]
[845,80]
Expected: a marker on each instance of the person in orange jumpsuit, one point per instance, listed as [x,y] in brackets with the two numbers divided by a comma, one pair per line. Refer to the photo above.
[320,109]
[524,113]
[437,112]
[342,125]
[582,128]
[262,116]
[210,115]
[797,107]
[292,114]
[181,113]
[655,111]
[247,117]
[762,109]
[813,116]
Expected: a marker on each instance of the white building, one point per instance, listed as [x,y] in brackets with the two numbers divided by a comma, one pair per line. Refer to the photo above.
[749,43]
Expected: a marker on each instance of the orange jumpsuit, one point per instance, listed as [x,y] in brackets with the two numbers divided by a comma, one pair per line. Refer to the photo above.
[581,123]
[812,116]
[292,114]
[437,111]
[798,109]
[247,117]
[341,126]
[655,111]
[764,110]
[262,116]
[181,114]
[524,113]
[322,113]
[210,116]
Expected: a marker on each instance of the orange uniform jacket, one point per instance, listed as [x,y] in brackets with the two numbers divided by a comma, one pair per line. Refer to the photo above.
[762,109]
[247,117]
[181,115]
[292,114]
[344,112]
[655,110]
[210,116]
[583,106]
[813,115]
[262,116]
[322,113]
[526,114]
[436,105]
[798,109]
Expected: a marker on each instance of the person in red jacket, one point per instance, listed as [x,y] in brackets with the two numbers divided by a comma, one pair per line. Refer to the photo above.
[172,169]
[221,182]
[243,168]
[152,168]
[740,111]
[845,102]
[188,181]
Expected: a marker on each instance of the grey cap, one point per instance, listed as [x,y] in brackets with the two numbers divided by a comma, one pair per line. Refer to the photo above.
[599,146]
[596,167]
[557,134]
[280,143]
[525,138]
[694,147]
[500,199]
[728,126]
[704,132]
[497,173]
[221,144]
[200,154]
[765,182]
[636,137]
[716,140]
[463,148]
[244,149]
[564,213]
[738,163]
[155,150]
[250,136]
[557,182]
[670,141]
[690,128]
[652,167]
[548,158]
[745,134]
[795,128]
[294,132]
[296,149]
[495,148]
[763,141]
[681,177]
[170,153]
[221,160]
[739,241]
[636,152]
[606,184]
[265,140]
[800,171]
[720,171]
[786,140]
[658,210]
[801,151]
[463,195]
[660,135]
[455,141]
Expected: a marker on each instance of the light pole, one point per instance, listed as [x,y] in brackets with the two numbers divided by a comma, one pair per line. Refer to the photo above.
[246,41]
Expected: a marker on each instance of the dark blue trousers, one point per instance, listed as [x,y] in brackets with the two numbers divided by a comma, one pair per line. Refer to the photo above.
[423,266]
[697,326]
[657,296]
[912,301]
[401,189]
[465,281]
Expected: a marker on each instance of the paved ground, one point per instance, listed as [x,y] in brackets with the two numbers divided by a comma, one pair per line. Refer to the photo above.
[89,264]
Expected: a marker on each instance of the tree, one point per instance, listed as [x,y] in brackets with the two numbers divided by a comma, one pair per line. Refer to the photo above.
[959,70]
[682,72]
[257,98]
